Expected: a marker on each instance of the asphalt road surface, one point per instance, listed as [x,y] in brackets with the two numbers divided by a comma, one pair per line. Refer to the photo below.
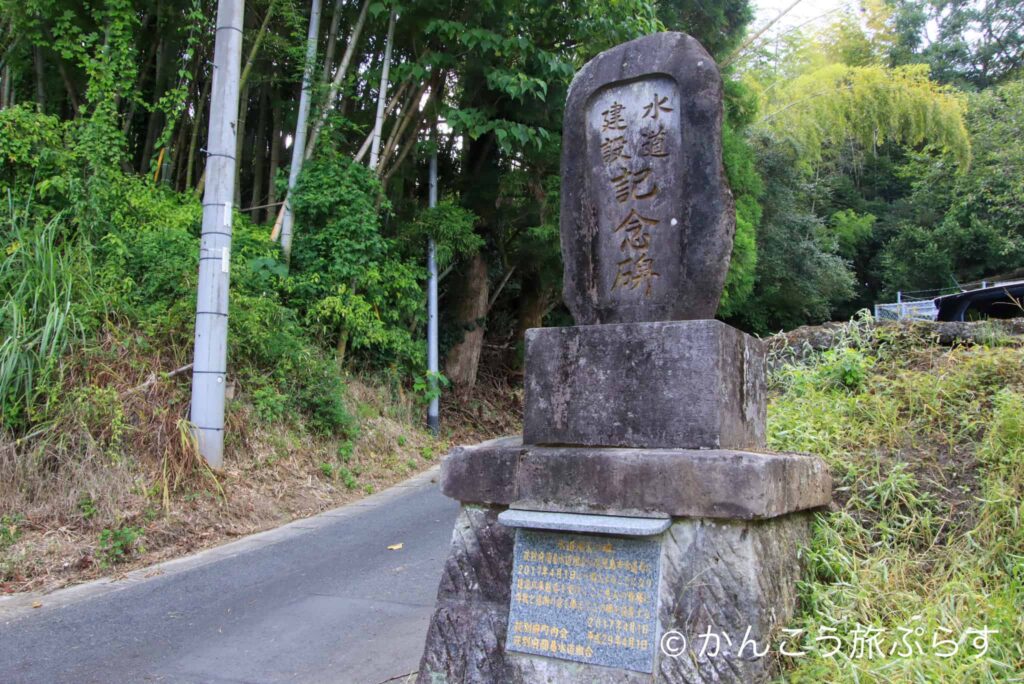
[320,600]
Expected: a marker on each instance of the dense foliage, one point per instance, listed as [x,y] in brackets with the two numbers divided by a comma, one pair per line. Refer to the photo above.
[847,146]
[878,158]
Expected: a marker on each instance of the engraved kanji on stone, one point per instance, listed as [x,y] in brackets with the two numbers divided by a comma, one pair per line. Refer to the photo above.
[637,240]
[612,118]
[634,223]
[656,106]
[613,149]
[652,142]
[636,272]
[627,184]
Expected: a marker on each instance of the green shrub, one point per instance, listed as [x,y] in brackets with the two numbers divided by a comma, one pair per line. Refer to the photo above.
[845,367]
[358,290]
[271,347]
[270,405]
[87,506]
[345,450]
[31,147]
[97,246]
[164,270]
[99,412]
[348,477]
[119,545]
[10,529]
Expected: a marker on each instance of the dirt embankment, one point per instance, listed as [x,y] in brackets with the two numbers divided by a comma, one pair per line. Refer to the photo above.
[93,513]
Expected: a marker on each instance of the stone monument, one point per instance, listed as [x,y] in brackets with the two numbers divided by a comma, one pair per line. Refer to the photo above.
[639,511]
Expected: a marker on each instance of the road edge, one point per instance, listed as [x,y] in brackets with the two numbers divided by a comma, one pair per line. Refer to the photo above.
[19,605]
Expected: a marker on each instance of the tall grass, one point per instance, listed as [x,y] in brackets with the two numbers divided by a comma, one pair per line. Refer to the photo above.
[38,278]
[926,446]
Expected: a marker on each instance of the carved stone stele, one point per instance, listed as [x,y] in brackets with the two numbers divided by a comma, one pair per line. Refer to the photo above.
[647,217]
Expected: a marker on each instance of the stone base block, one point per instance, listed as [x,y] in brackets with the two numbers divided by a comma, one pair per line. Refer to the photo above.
[684,384]
[736,577]
[712,483]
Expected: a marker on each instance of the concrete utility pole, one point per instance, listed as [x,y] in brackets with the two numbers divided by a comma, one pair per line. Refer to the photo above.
[211,351]
[433,412]
[299,143]
[382,97]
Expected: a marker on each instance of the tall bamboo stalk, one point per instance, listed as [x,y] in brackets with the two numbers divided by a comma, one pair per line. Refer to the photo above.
[382,96]
[339,76]
[299,142]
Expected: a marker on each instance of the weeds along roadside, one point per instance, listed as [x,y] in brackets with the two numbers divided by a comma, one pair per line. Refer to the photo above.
[103,265]
[926,446]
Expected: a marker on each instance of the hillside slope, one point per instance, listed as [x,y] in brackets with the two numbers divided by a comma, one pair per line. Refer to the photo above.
[920,561]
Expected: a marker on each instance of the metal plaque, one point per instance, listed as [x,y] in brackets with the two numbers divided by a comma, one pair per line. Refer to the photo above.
[588,598]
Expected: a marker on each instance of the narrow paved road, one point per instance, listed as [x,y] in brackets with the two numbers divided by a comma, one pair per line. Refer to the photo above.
[320,600]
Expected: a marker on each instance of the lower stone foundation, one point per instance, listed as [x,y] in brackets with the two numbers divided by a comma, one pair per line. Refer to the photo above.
[628,429]
[726,575]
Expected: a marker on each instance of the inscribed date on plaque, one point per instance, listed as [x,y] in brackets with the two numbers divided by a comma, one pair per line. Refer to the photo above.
[588,598]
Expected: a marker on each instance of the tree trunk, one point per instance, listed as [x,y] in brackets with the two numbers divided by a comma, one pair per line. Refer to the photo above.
[37,59]
[332,40]
[382,94]
[275,155]
[339,353]
[255,49]
[173,175]
[534,301]
[299,141]
[479,191]
[400,158]
[156,117]
[365,147]
[259,150]
[339,76]
[243,115]
[197,123]
[470,309]
[411,112]
[5,86]
[69,87]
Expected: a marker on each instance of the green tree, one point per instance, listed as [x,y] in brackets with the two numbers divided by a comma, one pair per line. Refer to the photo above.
[799,276]
[847,129]
[513,64]
[719,26]
[956,226]
[974,43]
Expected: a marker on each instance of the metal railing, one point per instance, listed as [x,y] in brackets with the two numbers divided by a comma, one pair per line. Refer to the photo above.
[919,305]
[921,310]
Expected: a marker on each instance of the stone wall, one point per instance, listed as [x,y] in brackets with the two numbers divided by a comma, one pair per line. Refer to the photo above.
[809,338]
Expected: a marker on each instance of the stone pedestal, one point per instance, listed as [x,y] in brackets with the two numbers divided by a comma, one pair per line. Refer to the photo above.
[735,519]
[726,574]
[688,384]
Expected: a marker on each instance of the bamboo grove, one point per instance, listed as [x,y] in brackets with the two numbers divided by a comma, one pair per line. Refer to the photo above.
[830,133]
